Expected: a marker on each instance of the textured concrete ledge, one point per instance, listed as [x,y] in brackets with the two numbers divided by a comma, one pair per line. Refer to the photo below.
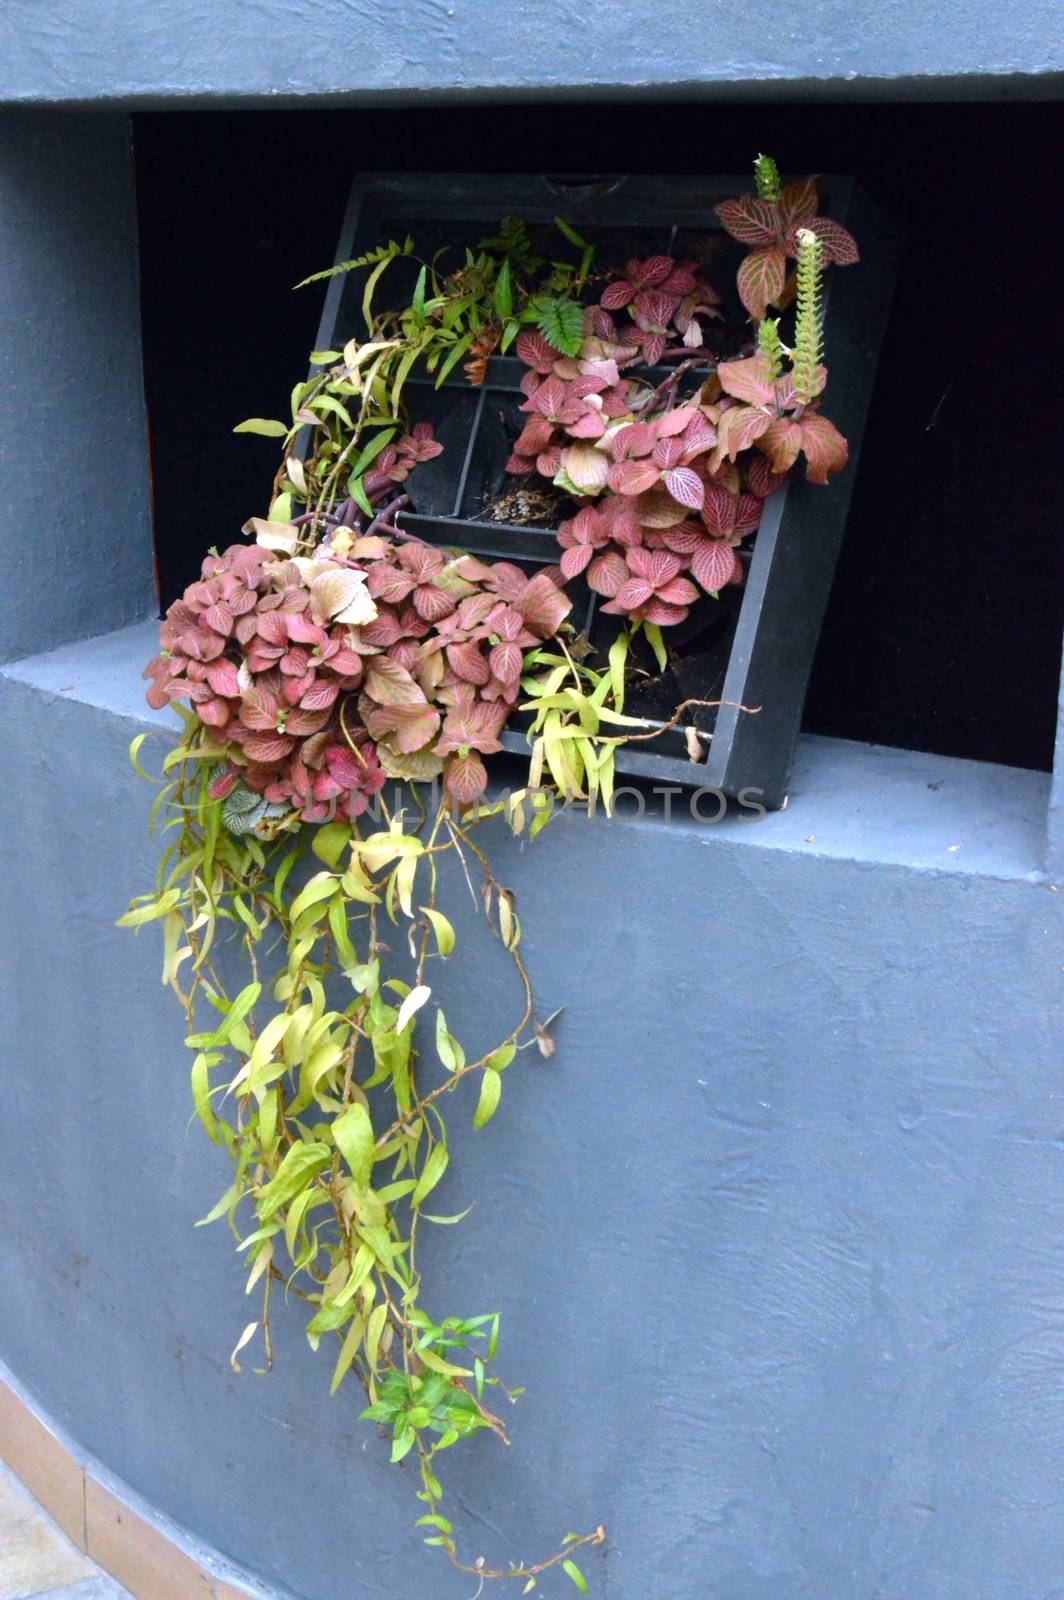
[123,53]
[105,1520]
[853,802]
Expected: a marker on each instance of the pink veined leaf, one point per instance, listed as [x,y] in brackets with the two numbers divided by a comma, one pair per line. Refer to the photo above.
[606,573]
[653,309]
[617,295]
[544,606]
[738,428]
[405,653]
[505,660]
[781,444]
[411,726]
[668,453]
[651,272]
[636,439]
[320,695]
[530,382]
[587,527]
[662,613]
[552,400]
[676,421]
[713,564]
[685,486]
[680,281]
[825,448]
[214,712]
[574,561]
[465,779]
[653,348]
[467,662]
[259,709]
[534,437]
[719,511]
[798,202]
[433,603]
[347,766]
[591,425]
[748,518]
[587,467]
[519,464]
[659,510]
[222,677]
[272,627]
[383,631]
[268,747]
[295,688]
[749,380]
[632,594]
[633,477]
[685,539]
[391,684]
[422,561]
[302,630]
[302,722]
[761,278]
[535,352]
[660,566]
[549,463]
[839,247]
[385,583]
[222,785]
[750,219]
[700,437]
[220,618]
[761,478]
[679,592]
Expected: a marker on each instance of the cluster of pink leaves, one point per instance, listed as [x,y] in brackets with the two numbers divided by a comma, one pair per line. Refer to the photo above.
[770,228]
[318,676]
[666,497]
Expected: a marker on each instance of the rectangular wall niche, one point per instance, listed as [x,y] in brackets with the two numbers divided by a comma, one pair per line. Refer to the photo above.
[751,648]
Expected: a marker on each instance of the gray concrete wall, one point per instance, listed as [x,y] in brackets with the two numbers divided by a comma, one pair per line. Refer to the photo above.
[126,52]
[75,509]
[775,1234]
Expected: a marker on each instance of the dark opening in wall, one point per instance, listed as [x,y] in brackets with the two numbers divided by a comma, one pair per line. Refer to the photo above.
[943,628]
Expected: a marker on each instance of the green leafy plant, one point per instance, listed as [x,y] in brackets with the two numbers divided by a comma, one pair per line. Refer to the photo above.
[335,653]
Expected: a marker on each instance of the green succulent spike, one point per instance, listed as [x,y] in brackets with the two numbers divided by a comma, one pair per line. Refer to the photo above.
[768,344]
[808,328]
[767,176]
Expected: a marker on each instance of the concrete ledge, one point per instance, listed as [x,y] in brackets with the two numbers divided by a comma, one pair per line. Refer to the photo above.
[850,802]
[85,52]
[152,1558]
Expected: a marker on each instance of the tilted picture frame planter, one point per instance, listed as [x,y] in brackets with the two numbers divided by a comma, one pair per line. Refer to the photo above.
[757,641]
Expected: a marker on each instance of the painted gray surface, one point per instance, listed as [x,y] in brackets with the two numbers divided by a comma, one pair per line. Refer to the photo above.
[77,556]
[128,52]
[774,1234]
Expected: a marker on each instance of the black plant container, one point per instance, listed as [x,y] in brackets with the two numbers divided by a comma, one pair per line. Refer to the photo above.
[752,648]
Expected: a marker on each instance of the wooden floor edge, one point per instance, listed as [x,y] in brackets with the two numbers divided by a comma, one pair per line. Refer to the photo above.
[107,1521]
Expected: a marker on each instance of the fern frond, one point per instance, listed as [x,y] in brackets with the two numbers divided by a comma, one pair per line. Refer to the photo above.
[561,322]
[372,258]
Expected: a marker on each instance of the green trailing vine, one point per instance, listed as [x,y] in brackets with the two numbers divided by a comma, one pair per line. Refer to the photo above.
[339,684]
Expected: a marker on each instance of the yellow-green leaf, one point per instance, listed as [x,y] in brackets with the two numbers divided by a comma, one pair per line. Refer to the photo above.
[490,1092]
[442,929]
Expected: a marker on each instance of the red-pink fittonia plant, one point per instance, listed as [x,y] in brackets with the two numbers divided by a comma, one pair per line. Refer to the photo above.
[319,675]
[673,486]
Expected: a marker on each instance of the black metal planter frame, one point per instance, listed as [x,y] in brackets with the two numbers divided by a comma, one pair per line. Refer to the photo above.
[764,634]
